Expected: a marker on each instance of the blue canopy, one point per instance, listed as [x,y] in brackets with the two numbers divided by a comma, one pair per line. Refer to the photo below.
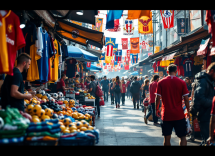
[93,68]
[134,73]
[81,55]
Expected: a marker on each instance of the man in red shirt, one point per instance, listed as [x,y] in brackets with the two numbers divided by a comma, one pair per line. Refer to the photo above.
[61,84]
[172,89]
[128,84]
[212,124]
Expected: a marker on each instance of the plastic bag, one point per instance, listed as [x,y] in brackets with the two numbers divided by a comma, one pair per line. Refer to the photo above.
[189,129]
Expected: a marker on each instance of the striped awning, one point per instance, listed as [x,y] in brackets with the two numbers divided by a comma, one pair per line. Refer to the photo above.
[169,57]
[202,48]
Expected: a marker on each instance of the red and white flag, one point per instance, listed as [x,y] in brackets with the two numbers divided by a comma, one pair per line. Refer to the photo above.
[128,54]
[168,18]
[88,64]
[124,43]
[109,50]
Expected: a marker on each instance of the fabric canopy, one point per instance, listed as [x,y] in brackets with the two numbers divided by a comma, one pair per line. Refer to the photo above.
[94,68]
[169,57]
[134,73]
[202,47]
[79,34]
[81,55]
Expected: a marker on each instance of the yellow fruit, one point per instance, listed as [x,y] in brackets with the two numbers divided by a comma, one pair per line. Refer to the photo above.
[44,97]
[62,127]
[90,127]
[73,130]
[67,121]
[66,130]
[35,120]
[79,125]
[49,112]
[39,95]
[30,108]
[45,117]
[83,128]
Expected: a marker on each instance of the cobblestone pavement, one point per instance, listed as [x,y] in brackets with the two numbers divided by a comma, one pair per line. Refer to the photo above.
[126,126]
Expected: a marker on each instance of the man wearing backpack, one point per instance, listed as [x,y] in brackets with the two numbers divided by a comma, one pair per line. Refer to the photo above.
[92,91]
[135,91]
[202,100]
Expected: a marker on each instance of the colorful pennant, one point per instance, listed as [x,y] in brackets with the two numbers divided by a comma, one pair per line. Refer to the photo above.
[110,43]
[124,43]
[145,24]
[99,25]
[134,45]
[128,26]
[118,55]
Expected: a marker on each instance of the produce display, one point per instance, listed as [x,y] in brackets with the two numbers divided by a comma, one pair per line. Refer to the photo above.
[47,117]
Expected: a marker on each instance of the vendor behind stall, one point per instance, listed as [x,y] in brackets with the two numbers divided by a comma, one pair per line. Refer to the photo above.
[61,84]
[12,90]
[82,83]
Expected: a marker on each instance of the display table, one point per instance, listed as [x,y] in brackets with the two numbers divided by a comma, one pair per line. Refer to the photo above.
[70,95]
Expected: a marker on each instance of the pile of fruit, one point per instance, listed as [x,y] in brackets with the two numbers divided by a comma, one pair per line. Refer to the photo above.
[89,96]
[67,126]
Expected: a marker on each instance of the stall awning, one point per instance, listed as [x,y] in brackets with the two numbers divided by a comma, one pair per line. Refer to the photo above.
[87,17]
[94,68]
[79,34]
[169,57]
[134,73]
[81,55]
[203,47]
[145,62]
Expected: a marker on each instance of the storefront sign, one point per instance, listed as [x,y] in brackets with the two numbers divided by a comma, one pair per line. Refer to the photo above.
[181,26]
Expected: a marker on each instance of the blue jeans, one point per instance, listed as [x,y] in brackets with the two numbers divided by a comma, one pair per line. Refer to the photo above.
[152,111]
[105,94]
[128,93]
[117,98]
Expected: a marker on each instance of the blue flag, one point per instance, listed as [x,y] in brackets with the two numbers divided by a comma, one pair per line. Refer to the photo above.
[134,58]
[111,16]
[118,55]
[115,48]
[115,63]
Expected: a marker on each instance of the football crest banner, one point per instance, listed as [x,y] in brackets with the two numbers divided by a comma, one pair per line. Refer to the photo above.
[88,64]
[128,26]
[145,24]
[134,45]
[134,58]
[99,25]
[167,18]
[128,54]
[118,55]
[124,43]
[110,43]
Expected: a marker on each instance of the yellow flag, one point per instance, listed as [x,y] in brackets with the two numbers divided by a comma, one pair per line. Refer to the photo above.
[108,59]
[157,49]
[145,24]
[136,14]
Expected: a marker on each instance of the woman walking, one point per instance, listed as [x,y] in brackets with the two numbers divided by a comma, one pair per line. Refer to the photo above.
[145,89]
[123,91]
[117,90]
[111,90]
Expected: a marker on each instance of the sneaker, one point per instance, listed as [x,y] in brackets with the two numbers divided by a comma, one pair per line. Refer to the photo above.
[146,122]
[118,106]
[156,124]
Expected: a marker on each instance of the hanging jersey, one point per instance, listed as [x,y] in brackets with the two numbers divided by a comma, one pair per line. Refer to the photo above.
[54,62]
[70,68]
[30,33]
[39,42]
[12,36]
[43,64]
[188,68]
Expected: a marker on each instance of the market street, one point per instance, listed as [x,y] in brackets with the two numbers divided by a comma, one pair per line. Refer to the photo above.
[125,126]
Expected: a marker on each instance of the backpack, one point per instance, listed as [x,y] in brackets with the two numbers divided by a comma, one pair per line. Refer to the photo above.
[117,89]
[99,92]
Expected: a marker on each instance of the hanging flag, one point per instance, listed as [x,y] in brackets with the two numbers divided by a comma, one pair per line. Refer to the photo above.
[124,43]
[116,26]
[134,58]
[126,66]
[134,45]
[115,48]
[110,43]
[136,14]
[88,64]
[102,57]
[111,16]
[157,49]
[108,59]
[99,25]
[145,24]
[143,44]
[128,26]
[128,54]
[167,18]
[118,55]
[115,63]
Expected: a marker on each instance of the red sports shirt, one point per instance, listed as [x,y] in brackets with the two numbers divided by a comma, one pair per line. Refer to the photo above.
[60,86]
[171,89]
[14,38]
[123,88]
[152,91]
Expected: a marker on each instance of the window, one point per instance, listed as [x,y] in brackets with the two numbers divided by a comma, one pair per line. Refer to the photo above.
[195,19]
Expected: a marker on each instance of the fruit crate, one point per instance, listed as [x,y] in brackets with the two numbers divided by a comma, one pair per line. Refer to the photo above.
[78,141]
[41,143]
